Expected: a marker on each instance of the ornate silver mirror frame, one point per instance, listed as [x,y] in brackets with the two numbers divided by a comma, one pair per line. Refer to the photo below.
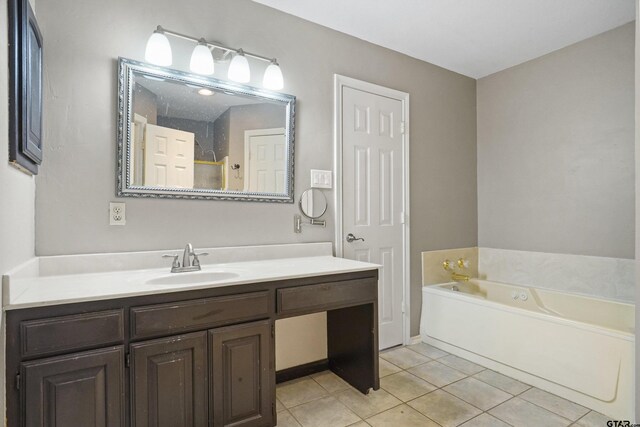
[125,186]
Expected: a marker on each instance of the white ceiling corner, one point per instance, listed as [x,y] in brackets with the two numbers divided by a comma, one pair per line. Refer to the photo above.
[472,37]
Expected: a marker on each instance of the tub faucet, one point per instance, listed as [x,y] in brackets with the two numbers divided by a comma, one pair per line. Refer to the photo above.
[187,264]
[457,277]
[451,268]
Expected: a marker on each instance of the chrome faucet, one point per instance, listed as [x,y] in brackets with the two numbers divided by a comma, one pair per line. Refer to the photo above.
[187,264]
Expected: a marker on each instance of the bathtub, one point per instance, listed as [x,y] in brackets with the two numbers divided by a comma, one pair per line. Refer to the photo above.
[577,347]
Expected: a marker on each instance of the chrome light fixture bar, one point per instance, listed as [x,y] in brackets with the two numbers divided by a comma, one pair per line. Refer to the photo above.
[158,52]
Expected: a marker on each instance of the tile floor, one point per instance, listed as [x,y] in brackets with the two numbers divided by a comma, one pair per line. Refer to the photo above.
[421,385]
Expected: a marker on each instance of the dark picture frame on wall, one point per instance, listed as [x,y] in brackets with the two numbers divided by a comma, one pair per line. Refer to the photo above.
[25,87]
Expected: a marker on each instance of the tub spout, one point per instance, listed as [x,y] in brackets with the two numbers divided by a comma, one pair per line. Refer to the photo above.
[457,277]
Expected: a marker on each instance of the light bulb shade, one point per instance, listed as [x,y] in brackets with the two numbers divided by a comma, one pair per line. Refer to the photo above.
[239,69]
[201,60]
[158,50]
[273,77]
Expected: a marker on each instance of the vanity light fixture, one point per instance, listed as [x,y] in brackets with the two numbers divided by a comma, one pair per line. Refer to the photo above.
[158,49]
[158,52]
[201,59]
[239,70]
[273,77]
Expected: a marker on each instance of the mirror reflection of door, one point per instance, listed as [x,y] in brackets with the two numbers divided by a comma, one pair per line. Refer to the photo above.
[169,157]
[265,160]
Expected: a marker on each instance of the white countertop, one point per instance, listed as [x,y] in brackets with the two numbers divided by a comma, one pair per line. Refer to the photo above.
[32,289]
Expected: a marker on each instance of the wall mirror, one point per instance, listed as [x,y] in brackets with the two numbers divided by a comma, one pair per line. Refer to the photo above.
[313,203]
[182,135]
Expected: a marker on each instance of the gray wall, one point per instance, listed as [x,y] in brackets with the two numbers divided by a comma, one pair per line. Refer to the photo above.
[17,194]
[84,40]
[555,151]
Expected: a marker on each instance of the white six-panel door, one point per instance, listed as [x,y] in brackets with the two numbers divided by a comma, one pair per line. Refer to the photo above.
[168,157]
[265,160]
[372,198]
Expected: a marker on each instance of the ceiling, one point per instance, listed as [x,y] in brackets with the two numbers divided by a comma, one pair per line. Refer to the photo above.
[472,37]
[182,101]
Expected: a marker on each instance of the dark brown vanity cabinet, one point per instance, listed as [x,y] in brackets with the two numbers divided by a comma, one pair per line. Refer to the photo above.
[169,381]
[198,358]
[79,389]
[241,362]
[185,380]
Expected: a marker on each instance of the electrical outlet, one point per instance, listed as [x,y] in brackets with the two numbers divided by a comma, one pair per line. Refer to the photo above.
[117,214]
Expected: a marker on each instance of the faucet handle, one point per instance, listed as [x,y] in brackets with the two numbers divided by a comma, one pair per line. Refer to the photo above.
[463,263]
[196,261]
[447,265]
[176,263]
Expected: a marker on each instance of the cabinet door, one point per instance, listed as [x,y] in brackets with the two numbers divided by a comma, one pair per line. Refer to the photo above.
[241,383]
[169,382]
[80,389]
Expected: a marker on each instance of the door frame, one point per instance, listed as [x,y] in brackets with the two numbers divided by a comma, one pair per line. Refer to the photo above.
[341,82]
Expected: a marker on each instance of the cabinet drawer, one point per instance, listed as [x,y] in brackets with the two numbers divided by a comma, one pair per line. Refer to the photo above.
[69,333]
[326,295]
[163,319]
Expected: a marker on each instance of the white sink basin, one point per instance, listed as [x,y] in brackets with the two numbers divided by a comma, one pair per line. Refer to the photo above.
[193,278]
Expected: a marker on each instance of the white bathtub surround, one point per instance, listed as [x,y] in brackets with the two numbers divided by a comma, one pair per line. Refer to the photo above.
[77,278]
[577,347]
[612,278]
[432,271]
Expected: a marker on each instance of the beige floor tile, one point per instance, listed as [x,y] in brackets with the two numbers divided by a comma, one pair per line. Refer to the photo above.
[555,404]
[593,419]
[428,350]
[279,406]
[367,405]
[387,368]
[503,382]
[461,364]
[404,358]
[285,419]
[401,416]
[330,381]
[444,408]
[521,413]
[479,394]
[406,386]
[484,420]
[325,412]
[437,374]
[297,392]
[360,424]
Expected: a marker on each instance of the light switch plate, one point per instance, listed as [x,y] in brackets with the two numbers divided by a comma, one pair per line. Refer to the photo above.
[321,179]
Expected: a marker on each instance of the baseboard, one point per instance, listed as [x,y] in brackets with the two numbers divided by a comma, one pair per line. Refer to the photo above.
[415,340]
[301,370]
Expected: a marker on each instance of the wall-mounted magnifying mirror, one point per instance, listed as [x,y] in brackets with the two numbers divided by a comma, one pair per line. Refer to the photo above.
[313,204]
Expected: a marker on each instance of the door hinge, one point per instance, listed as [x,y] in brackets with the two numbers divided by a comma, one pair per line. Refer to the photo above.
[17,381]
[273,330]
[273,410]
[402,128]
[127,360]
[403,218]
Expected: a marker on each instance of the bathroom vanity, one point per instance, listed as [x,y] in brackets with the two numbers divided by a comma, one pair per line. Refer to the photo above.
[197,354]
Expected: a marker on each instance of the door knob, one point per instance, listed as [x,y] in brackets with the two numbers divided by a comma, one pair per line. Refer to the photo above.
[352,238]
